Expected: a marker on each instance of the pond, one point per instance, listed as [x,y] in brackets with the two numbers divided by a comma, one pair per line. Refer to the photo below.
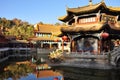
[33,77]
[26,70]
[72,73]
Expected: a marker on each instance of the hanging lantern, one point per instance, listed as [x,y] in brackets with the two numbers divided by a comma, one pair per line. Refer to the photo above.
[105,35]
[56,78]
[64,38]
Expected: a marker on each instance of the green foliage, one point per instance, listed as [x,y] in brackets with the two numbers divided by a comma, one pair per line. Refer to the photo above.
[60,24]
[16,27]
[41,23]
[57,24]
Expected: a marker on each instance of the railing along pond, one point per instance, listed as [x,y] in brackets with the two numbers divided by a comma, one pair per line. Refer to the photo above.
[112,57]
[85,55]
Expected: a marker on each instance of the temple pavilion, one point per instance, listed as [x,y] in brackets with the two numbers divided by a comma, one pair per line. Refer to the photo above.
[46,36]
[94,27]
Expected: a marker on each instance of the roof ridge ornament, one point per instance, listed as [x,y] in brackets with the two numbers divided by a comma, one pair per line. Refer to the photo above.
[90,2]
[102,1]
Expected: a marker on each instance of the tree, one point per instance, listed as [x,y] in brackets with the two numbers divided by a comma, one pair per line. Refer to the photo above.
[16,21]
[16,27]
[41,23]
[57,24]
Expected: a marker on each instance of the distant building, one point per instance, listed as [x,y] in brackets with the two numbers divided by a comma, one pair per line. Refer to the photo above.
[45,36]
[3,47]
[10,48]
[48,36]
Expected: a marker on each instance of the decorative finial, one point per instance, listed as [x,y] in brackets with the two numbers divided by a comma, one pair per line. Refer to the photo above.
[102,0]
[90,2]
[66,7]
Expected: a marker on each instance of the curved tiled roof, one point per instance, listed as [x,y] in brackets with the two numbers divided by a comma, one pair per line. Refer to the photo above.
[62,17]
[78,28]
[114,26]
[54,30]
[88,8]
[85,8]
[114,8]
[90,27]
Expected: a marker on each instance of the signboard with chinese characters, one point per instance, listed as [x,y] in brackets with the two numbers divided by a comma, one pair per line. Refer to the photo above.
[106,18]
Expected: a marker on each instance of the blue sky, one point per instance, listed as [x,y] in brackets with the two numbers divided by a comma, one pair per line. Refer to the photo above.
[46,11]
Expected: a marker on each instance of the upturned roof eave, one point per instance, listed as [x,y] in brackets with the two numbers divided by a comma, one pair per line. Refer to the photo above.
[114,9]
[65,17]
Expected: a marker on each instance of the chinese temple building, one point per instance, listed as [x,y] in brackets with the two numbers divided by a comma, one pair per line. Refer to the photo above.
[94,27]
[46,36]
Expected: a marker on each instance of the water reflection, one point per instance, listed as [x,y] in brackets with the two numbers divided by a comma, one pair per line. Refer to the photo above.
[16,71]
[26,70]
[30,76]
[71,73]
